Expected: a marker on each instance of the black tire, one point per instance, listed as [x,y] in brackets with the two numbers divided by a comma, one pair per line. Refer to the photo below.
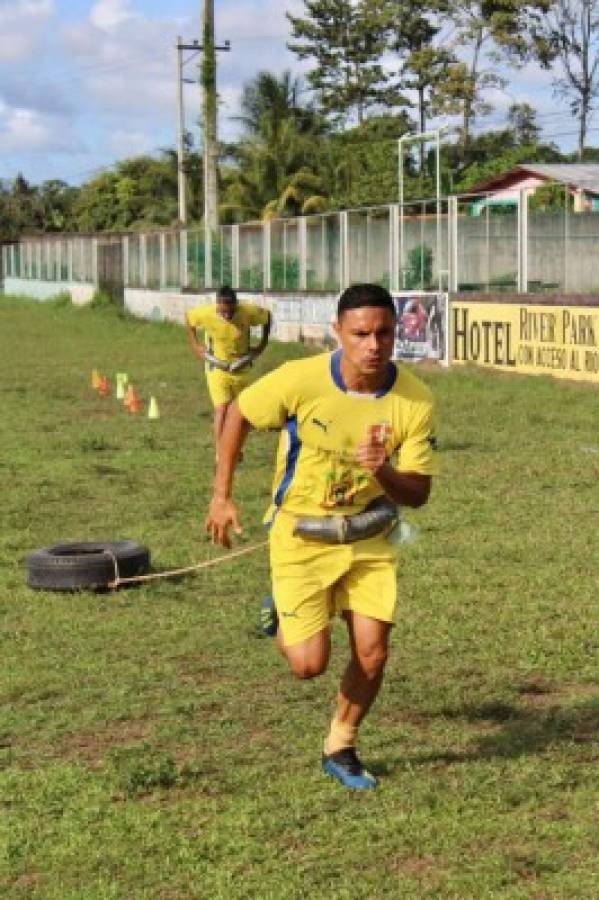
[85,565]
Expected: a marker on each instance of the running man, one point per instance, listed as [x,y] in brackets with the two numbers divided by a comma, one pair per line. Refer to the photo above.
[226,348]
[355,429]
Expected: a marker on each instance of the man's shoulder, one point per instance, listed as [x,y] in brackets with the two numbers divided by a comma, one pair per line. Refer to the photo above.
[301,373]
[308,366]
[251,309]
[409,387]
[202,311]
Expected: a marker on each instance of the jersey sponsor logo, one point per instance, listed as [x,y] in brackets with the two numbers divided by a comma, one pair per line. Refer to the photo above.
[320,424]
[382,432]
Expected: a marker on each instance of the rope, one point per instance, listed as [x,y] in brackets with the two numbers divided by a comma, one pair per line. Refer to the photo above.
[173,572]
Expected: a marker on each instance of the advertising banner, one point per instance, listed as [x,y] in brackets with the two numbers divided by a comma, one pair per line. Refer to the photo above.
[535,340]
[421,326]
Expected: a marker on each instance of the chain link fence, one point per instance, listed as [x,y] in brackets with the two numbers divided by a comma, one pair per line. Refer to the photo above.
[461,244]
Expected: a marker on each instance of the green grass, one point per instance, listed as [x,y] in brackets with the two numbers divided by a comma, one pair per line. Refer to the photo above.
[152,746]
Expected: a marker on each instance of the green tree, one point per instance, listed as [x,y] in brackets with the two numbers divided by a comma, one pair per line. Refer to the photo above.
[361,162]
[428,67]
[523,121]
[269,99]
[277,164]
[491,154]
[346,40]
[551,197]
[141,192]
[494,32]
[21,209]
[570,33]
[275,173]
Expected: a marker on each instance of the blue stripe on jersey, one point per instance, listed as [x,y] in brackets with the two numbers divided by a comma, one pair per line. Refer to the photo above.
[338,377]
[293,452]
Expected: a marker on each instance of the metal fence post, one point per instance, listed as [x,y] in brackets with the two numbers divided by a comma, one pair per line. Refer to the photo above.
[235,255]
[208,258]
[183,266]
[266,248]
[566,239]
[162,280]
[125,261]
[302,247]
[344,230]
[453,244]
[143,261]
[523,241]
[393,247]
[95,272]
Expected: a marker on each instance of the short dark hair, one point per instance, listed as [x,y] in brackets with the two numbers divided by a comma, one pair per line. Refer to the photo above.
[365,295]
[227,294]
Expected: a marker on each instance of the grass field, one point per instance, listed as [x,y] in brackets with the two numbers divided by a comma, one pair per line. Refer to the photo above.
[152,746]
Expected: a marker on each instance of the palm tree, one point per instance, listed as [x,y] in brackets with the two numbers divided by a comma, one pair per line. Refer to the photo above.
[277,164]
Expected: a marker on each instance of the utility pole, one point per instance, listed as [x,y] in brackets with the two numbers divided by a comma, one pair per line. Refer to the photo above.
[208,80]
[181,179]
[209,107]
[182,193]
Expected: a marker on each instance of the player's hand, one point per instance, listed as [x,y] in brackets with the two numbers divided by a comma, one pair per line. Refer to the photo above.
[222,515]
[372,454]
[200,351]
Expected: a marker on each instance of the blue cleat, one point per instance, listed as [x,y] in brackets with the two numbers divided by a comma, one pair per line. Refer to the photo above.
[345,766]
[268,620]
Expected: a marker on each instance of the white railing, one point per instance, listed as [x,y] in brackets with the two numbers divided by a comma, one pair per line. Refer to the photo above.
[462,243]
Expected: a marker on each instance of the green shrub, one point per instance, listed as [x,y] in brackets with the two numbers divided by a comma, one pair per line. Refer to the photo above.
[419,272]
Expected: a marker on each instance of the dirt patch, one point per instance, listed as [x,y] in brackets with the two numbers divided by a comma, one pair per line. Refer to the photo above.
[91,747]
[415,865]
[539,692]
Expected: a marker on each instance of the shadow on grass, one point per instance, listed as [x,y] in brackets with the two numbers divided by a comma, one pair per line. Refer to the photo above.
[520,732]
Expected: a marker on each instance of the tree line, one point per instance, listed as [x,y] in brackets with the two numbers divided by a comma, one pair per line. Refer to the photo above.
[380,69]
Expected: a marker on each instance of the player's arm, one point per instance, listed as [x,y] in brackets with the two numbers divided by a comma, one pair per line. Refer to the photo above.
[196,345]
[410,484]
[265,335]
[404,488]
[222,512]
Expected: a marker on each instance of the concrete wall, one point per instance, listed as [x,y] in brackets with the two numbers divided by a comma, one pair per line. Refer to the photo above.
[46,290]
[295,317]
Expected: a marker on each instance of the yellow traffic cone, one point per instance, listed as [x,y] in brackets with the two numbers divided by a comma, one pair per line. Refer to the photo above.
[96,380]
[153,411]
[121,383]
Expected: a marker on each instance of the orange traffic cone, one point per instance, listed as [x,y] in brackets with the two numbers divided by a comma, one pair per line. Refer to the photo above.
[129,394]
[96,380]
[104,386]
[135,404]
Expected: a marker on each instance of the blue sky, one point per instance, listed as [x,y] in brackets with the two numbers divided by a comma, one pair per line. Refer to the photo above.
[84,83]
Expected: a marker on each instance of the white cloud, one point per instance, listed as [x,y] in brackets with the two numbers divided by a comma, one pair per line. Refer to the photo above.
[22,27]
[127,70]
[24,130]
[126,143]
[107,14]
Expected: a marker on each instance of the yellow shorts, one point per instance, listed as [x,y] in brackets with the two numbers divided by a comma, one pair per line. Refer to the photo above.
[313,582]
[223,387]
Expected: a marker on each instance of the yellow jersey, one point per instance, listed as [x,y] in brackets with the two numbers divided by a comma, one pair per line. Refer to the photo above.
[227,340]
[322,424]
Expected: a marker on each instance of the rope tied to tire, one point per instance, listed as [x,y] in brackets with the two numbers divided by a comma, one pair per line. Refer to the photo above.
[106,565]
[172,573]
